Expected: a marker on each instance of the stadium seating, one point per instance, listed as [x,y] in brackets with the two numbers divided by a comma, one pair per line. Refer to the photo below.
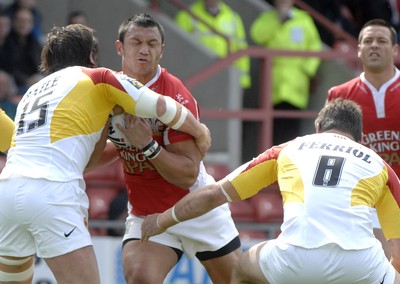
[100,198]
[111,175]
[268,206]
[242,211]
[218,171]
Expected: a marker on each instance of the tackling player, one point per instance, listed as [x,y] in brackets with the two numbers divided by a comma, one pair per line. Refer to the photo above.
[43,204]
[329,183]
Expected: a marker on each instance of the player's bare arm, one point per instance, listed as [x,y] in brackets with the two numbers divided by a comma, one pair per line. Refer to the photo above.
[178,163]
[184,120]
[98,149]
[395,251]
[191,206]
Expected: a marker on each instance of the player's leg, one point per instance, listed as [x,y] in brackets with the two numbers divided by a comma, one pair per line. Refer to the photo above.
[16,269]
[219,264]
[247,269]
[78,266]
[148,262]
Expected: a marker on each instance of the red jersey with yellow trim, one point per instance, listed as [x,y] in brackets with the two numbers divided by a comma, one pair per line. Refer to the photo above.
[148,191]
[329,183]
[381,115]
[60,119]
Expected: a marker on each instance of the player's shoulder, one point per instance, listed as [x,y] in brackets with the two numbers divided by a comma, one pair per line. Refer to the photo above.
[173,83]
[342,89]
[169,77]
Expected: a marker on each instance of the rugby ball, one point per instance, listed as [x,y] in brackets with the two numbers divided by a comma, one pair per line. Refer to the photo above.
[114,134]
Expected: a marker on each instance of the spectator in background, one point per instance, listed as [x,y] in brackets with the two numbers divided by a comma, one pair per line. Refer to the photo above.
[78,17]
[288,28]
[223,19]
[335,12]
[22,49]
[37,16]
[8,94]
[5,28]
[364,10]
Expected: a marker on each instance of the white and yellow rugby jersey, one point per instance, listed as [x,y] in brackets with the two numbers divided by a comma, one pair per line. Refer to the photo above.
[6,130]
[60,119]
[329,184]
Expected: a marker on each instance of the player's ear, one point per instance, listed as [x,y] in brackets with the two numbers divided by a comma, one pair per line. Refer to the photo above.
[119,46]
[93,60]
[162,50]
[317,128]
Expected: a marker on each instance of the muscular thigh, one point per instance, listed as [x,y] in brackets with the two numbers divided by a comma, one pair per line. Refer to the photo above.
[151,260]
[248,268]
[220,268]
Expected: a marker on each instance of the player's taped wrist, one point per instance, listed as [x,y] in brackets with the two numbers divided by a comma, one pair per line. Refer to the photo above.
[151,150]
[174,215]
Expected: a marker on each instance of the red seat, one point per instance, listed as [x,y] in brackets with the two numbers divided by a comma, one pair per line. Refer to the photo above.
[218,171]
[99,201]
[242,211]
[268,206]
[252,235]
[111,175]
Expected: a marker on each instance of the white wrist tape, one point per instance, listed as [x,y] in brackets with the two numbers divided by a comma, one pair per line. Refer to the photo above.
[170,111]
[226,194]
[174,215]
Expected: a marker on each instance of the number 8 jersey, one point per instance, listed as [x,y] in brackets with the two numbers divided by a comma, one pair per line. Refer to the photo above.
[329,183]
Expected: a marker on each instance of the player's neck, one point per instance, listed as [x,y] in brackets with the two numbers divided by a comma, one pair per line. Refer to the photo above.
[378,78]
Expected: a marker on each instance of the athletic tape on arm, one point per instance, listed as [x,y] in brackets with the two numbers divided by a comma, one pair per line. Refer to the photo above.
[170,111]
[226,194]
[181,120]
[146,105]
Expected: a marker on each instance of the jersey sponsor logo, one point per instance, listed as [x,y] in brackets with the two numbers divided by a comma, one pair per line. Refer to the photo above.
[133,82]
[68,234]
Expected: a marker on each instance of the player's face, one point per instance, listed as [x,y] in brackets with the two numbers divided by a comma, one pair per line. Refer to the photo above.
[376,50]
[141,52]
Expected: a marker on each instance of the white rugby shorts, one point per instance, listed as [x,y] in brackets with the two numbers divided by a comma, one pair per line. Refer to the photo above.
[208,232]
[43,217]
[284,263]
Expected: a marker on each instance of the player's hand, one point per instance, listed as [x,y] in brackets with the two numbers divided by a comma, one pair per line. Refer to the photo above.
[150,227]
[203,141]
[137,130]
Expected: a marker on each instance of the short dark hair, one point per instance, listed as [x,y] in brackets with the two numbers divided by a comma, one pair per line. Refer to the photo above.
[67,46]
[140,20]
[343,115]
[382,23]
